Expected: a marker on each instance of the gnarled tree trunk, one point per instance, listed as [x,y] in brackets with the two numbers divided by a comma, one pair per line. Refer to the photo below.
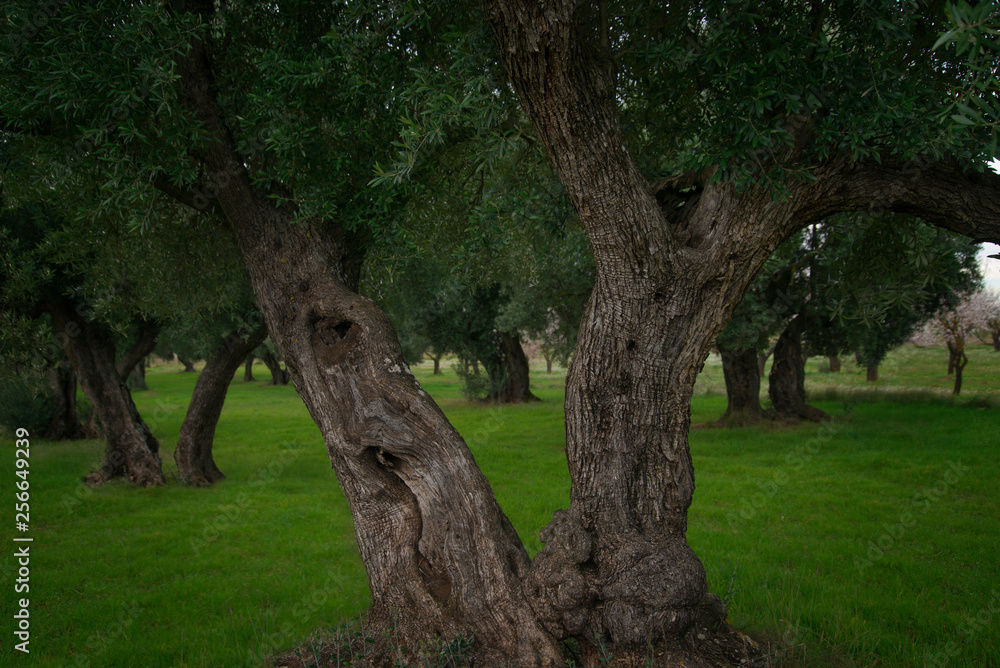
[132,450]
[952,356]
[193,454]
[187,364]
[786,383]
[960,361]
[741,372]
[441,557]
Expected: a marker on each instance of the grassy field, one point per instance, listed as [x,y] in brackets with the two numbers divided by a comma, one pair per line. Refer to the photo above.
[869,541]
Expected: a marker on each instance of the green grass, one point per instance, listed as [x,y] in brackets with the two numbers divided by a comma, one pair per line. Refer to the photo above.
[870,541]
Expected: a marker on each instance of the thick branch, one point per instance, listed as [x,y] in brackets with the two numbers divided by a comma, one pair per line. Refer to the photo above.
[939,192]
[144,345]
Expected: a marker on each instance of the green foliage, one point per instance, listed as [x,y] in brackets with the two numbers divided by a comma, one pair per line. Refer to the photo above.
[975,34]
[25,401]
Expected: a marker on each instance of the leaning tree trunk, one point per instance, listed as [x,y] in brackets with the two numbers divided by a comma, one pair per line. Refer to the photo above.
[132,450]
[509,371]
[65,424]
[279,376]
[871,373]
[142,347]
[248,371]
[193,454]
[188,365]
[741,372]
[786,383]
[437,364]
[442,559]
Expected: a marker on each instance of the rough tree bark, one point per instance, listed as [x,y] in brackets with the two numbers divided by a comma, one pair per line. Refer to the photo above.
[193,453]
[65,424]
[132,450]
[509,371]
[437,548]
[667,280]
[786,382]
[441,557]
[741,372]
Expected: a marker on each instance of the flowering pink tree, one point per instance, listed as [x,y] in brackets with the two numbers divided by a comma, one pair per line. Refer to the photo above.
[956,326]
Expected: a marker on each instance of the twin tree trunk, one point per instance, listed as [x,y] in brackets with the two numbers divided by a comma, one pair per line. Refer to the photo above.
[442,559]
[786,385]
[193,454]
[132,450]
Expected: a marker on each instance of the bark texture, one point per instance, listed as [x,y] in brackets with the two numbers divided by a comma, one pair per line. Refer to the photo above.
[786,383]
[132,450]
[65,424]
[441,557]
[193,453]
[741,372]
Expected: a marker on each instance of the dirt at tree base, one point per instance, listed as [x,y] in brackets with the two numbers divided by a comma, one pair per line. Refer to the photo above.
[710,643]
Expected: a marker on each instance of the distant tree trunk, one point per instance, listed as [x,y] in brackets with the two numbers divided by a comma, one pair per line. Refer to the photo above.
[741,370]
[65,424]
[248,372]
[952,357]
[548,361]
[437,364]
[193,454]
[188,365]
[509,371]
[132,450]
[834,364]
[279,376]
[136,379]
[857,357]
[786,385]
[872,373]
[960,361]
[995,333]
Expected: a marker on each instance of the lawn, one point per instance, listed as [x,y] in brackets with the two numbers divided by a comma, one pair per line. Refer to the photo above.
[868,541]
